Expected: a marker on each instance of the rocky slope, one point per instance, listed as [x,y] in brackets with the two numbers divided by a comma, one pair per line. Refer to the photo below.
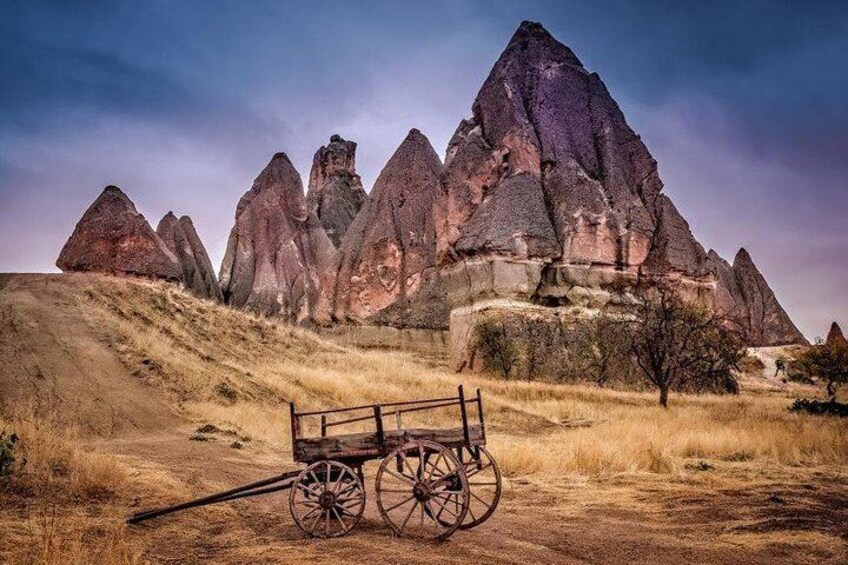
[278,257]
[112,237]
[182,239]
[335,190]
[743,295]
[389,252]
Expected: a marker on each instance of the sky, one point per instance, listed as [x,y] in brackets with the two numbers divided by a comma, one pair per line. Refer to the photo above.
[182,104]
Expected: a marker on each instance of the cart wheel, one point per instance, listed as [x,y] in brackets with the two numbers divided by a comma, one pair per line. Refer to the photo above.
[327,499]
[422,490]
[484,485]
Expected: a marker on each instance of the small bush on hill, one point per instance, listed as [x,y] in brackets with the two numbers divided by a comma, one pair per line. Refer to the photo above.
[751,365]
[827,361]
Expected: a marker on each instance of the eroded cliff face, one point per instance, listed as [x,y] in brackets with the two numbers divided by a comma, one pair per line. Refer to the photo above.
[548,174]
[181,238]
[549,196]
[550,199]
[279,258]
[388,255]
[335,190]
[112,237]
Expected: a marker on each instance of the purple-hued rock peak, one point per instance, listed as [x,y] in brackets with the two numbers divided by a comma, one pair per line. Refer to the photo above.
[278,258]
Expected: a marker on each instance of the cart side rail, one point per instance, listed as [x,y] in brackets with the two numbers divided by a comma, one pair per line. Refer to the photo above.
[379,411]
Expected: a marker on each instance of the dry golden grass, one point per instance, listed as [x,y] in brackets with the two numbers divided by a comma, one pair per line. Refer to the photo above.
[52,474]
[51,463]
[237,370]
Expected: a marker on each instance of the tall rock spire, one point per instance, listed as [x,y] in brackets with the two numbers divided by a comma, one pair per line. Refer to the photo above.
[389,252]
[743,295]
[549,198]
[182,239]
[112,237]
[541,112]
[335,190]
[278,256]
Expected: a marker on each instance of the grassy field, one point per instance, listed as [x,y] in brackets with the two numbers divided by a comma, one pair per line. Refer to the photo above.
[576,445]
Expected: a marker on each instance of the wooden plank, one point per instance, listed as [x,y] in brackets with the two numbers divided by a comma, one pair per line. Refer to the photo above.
[367,445]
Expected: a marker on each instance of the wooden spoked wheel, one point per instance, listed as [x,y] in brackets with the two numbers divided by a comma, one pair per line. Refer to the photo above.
[327,499]
[422,490]
[484,485]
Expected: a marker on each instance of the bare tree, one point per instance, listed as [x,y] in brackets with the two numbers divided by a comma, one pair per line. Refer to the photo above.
[675,342]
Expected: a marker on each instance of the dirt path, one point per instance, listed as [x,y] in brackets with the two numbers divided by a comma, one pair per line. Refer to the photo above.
[710,519]
[52,356]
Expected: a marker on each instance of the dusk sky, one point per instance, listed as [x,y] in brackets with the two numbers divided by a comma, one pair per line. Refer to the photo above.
[181,104]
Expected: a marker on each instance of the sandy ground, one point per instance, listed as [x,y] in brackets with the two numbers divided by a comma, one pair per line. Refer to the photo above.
[728,513]
[713,517]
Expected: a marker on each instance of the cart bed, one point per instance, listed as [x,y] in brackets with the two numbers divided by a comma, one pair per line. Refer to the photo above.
[367,445]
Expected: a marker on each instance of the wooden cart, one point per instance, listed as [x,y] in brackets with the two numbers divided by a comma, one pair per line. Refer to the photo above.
[430,482]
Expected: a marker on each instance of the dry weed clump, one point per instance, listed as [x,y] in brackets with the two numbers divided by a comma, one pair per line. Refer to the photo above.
[50,462]
[51,536]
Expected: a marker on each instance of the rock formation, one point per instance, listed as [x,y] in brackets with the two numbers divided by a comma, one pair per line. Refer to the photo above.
[112,237]
[278,258]
[835,335]
[182,239]
[551,207]
[335,190]
[388,257]
[743,295]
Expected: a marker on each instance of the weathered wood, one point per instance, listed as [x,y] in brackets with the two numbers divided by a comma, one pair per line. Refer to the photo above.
[367,445]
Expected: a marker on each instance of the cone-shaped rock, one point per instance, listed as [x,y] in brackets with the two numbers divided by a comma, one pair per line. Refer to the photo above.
[541,113]
[835,335]
[278,256]
[743,295]
[549,198]
[335,190]
[182,239]
[388,255]
[548,174]
[112,237]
